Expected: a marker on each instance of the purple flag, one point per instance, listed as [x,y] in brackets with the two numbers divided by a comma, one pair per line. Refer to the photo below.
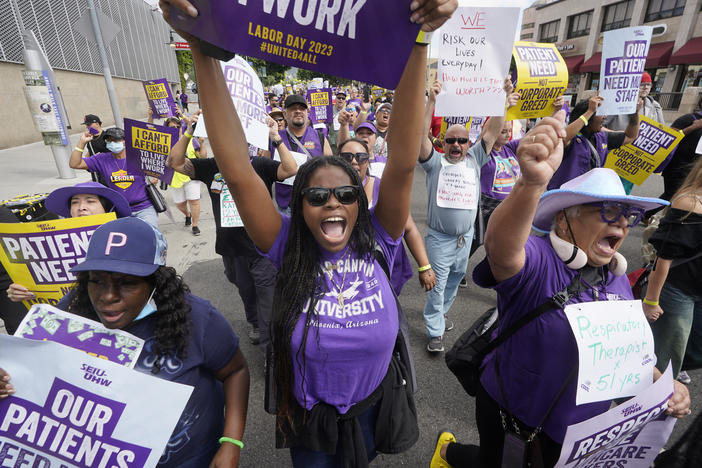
[321,36]
[148,146]
[158,93]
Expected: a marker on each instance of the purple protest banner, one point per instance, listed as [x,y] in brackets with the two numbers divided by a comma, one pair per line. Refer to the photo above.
[158,93]
[311,35]
[148,146]
[46,323]
[320,105]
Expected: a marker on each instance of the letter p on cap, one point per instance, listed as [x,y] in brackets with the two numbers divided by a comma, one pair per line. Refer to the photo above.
[113,242]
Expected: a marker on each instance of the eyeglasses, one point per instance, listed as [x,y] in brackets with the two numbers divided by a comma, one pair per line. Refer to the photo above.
[461,141]
[611,211]
[318,196]
[360,157]
[339,98]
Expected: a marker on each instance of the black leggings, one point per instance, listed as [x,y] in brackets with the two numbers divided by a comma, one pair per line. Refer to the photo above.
[492,436]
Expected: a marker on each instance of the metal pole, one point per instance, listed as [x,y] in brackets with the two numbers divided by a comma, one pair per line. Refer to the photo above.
[35,60]
[105,66]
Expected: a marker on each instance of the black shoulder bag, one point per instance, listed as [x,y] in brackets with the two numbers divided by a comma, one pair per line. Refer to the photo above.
[466,356]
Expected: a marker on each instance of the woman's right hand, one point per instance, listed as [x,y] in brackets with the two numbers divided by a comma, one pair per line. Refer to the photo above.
[541,150]
[85,138]
[6,388]
[652,312]
[594,102]
[18,293]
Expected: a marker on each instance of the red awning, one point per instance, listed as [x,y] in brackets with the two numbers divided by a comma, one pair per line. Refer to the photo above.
[592,64]
[690,53]
[659,54]
[573,63]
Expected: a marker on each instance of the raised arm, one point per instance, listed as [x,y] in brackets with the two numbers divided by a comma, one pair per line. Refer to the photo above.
[344,119]
[632,129]
[427,147]
[539,152]
[177,159]
[288,165]
[76,159]
[261,219]
[577,125]
[405,132]
[492,128]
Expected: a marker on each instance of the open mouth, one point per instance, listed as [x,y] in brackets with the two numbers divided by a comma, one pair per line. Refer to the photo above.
[111,316]
[455,153]
[609,244]
[334,227]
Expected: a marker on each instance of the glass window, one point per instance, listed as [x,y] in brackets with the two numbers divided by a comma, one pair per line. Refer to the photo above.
[527,36]
[659,9]
[527,25]
[548,32]
[617,15]
[579,25]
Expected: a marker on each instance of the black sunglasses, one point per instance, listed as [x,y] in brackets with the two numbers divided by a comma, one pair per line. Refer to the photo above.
[360,157]
[318,196]
[279,119]
[461,141]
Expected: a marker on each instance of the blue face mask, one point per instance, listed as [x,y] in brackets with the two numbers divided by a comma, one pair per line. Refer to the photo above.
[114,146]
[149,307]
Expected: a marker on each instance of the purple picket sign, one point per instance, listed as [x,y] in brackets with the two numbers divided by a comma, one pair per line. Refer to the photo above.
[158,93]
[148,146]
[311,35]
[320,105]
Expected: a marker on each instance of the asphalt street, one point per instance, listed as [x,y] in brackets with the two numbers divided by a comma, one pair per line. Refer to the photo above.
[441,401]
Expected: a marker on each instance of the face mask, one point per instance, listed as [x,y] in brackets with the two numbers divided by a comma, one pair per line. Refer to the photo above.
[115,147]
[149,307]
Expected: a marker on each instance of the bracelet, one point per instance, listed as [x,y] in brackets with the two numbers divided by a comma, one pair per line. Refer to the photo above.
[651,303]
[238,443]
[187,135]
[424,268]
[78,149]
[423,38]
[582,117]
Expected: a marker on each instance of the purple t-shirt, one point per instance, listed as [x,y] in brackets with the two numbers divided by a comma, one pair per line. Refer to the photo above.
[500,173]
[538,358]
[310,140]
[348,348]
[115,172]
[183,98]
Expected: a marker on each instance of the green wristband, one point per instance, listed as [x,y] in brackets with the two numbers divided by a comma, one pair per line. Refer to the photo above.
[238,443]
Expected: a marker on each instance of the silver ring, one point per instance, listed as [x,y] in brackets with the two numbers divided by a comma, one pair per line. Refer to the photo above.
[533,139]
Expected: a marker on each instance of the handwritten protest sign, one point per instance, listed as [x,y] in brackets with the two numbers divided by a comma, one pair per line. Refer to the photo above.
[247,94]
[637,160]
[322,37]
[624,53]
[456,187]
[148,146]
[542,76]
[615,348]
[158,93]
[629,435]
[320,105]
[46,323]
[474,55]
[39,256]
[75,410]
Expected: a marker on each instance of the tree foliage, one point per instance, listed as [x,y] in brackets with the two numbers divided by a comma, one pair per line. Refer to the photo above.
[185,65]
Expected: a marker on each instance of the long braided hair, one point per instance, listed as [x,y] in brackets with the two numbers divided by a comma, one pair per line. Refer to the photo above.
[172,315]
[297,287]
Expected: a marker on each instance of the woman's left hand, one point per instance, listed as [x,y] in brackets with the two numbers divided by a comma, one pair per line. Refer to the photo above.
[226,457]
[679,403]
[427,279]
[431,14]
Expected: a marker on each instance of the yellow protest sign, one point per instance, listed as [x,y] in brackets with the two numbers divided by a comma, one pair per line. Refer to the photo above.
[39,256]
[637,160]
[542,76]
[446,122]
[377,92]
[319,98]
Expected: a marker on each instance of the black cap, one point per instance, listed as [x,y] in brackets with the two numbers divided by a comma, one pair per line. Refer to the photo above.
[295,99]
[114,133]
[90,119]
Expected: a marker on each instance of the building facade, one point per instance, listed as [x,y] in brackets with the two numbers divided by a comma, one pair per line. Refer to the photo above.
[139,51]
[576,27]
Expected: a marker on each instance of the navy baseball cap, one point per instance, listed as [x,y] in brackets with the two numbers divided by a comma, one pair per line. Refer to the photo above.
[126,245]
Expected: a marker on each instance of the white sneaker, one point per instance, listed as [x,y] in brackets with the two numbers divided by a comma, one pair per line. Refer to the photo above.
[684,377]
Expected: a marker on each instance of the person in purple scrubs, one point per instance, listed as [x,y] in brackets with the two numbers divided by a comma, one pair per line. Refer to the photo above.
[586,220]
[335,319]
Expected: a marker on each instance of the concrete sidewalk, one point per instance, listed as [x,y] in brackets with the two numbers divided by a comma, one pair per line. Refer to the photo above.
[31,169]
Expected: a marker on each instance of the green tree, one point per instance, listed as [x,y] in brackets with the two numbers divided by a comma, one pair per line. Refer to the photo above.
[185,65]
[307,75]
[275,72]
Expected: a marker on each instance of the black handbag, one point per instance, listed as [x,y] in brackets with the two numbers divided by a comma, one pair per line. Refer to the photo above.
[155,197]
[466,356]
